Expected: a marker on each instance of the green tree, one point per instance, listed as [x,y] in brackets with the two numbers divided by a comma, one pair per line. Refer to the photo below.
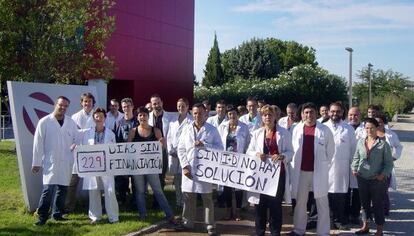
[291,53]
[252,59]
[55,41]
[213,74]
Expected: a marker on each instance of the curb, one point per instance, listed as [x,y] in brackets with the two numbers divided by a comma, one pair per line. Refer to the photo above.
[150,229]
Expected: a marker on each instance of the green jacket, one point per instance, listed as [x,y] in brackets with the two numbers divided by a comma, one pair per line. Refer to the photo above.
[379,161]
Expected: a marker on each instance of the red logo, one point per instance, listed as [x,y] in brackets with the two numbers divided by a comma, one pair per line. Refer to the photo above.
[39,98]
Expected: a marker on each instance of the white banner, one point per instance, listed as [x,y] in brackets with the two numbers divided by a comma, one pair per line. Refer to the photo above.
[236,170]
[137,158]
[29,102]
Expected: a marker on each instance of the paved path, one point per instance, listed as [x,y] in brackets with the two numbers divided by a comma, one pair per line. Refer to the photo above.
[400,221]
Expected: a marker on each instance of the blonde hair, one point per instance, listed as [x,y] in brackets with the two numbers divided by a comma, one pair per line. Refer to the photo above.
[268,109]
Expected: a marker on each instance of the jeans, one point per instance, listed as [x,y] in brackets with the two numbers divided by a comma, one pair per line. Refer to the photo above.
[58,192]
[154,181]
[371,190]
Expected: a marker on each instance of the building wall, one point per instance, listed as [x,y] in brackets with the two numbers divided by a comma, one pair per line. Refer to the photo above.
[153,47]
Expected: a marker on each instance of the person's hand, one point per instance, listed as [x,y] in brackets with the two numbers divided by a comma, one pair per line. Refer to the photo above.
[277,157]
[198,143]
[187,172]
[380,177]
[354,173]
[35,169]
[262,156]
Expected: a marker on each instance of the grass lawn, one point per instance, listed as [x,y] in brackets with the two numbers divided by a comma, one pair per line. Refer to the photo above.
[15,220]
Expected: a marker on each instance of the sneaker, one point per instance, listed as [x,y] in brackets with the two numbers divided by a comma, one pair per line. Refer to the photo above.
[211,231]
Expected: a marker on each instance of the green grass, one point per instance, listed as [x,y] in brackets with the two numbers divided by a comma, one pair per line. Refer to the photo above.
[15,220]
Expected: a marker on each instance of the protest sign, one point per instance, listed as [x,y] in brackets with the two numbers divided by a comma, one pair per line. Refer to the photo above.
[138,158]
[236,170]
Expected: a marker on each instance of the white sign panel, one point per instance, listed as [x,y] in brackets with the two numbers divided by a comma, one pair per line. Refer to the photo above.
[29,102]
[137,158]
[236,170]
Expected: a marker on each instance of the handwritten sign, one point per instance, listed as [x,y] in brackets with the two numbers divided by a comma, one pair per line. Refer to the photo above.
[236,170]
[137,158]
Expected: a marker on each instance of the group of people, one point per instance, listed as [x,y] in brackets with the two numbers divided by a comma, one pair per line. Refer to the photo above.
[329,167]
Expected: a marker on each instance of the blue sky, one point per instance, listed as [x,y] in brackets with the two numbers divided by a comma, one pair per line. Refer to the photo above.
[380,32]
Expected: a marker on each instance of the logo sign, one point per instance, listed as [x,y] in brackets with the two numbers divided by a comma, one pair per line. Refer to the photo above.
[29,102]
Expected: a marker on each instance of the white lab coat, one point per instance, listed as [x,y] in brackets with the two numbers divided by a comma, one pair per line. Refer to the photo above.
[324,149]
[214,120]
[242,135]
[256,124]
[83,120]
[284,145]
[91,182]
[174,134]
[283,122]
[345,145]
[359,133]
[167,117]
[52,149]
[208,135]
[112,122]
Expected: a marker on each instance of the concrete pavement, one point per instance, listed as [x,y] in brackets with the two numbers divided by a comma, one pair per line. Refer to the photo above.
[400,221]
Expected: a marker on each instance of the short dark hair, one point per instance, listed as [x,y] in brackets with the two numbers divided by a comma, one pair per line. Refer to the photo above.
[127,100]
[221,101]
[373,107]
[88,95]
[337,104]
[114,100]
[231,108]
[142,109]
[100,110]
[310,105]
[156,95]
[63,98]
[372,121]
[251,99]
[383,117]
[199,105]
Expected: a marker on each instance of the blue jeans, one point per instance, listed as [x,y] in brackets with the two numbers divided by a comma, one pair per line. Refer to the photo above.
[58,192]
[154,181]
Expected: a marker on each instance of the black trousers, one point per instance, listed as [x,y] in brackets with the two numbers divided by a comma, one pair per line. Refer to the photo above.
[225,199]
[274,205]
[353,204]
[371,190]
[337,206]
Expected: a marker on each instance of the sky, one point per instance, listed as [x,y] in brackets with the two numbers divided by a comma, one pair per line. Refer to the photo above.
[380,32]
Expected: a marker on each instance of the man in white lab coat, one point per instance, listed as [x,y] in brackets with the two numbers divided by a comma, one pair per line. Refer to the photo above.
[339,171]
[198,134]
[220,116]
[253,119]
[313,147]
[114,116]
[55,137]
[289,121]
[353,202]
[84,120]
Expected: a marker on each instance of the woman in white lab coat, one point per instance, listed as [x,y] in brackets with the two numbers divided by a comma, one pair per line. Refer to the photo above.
[235,137]
[174,133]
[396,148]
[100,135]
[271,141]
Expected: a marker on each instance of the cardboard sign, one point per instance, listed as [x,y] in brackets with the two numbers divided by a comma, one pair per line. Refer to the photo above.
[138,158]
[236,170]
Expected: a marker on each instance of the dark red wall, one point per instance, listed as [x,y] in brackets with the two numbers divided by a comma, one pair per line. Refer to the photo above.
[153,47]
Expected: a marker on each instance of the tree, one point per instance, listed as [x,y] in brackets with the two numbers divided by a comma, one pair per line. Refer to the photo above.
[291,53]
[213,74]
[388,90]
[252,59]
[55,41]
